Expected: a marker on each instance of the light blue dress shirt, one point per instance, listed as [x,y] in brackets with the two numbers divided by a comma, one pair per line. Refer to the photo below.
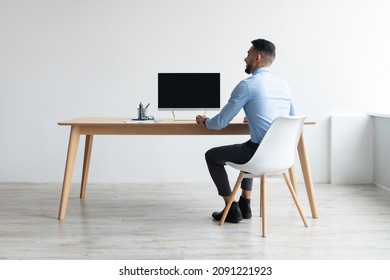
[264,96]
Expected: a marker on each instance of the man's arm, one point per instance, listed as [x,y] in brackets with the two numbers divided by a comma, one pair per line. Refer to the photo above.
[237,100]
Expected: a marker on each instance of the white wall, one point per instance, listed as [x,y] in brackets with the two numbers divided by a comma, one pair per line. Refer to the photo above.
[65,59]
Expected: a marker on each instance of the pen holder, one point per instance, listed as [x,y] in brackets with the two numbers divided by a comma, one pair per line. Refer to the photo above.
[142,113]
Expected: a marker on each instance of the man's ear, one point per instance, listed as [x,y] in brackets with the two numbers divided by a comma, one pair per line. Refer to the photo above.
[258,57]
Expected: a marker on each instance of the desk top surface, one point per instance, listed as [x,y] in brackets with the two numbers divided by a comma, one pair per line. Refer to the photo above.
[127,121]
[121,121]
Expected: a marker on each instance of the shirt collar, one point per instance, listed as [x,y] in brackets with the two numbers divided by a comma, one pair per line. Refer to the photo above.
[262,69]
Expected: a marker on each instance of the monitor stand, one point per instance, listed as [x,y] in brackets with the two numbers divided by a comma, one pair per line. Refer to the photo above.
[184,119]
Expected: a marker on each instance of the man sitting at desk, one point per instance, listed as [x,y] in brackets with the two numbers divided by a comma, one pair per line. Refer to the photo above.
[264,96]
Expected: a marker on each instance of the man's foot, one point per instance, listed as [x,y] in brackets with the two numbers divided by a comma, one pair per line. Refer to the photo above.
[233,216]
[245,207]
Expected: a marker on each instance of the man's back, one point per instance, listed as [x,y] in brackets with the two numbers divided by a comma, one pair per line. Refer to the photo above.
[269,96]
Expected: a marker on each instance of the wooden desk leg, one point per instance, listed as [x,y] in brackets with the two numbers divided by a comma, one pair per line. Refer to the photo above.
[307,175]
[69,167]
[87,158]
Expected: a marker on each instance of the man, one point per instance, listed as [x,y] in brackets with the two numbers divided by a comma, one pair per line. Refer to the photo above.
[264,96]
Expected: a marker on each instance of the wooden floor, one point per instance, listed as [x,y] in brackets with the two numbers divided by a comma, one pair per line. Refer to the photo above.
[173,221]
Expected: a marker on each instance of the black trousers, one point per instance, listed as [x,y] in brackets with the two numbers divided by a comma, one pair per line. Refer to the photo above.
[216,159]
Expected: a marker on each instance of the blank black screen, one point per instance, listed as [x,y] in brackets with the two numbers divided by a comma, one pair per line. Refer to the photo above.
[188,91]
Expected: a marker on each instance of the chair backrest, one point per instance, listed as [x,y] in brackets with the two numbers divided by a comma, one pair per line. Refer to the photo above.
[276,151]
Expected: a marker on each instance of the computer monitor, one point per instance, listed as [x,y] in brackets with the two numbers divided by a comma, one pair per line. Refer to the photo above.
[188,91]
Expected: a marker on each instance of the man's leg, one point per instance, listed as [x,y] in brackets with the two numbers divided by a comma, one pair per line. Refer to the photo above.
[216,159]
[245,199]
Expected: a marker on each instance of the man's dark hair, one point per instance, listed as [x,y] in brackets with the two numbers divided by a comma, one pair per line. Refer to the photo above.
[266,49]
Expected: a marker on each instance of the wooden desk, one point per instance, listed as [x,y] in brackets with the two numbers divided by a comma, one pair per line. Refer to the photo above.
[118,126]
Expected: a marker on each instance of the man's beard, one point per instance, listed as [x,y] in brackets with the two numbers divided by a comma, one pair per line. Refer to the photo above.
[248,69]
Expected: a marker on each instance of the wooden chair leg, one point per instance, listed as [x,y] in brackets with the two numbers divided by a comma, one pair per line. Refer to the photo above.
[263,206]
[261,197]
[294,195]
[231,199]
[293,180]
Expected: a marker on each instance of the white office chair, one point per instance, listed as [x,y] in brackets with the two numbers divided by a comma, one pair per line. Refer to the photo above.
[275,155]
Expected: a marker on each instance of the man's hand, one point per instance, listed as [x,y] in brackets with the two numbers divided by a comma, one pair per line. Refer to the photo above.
[200,119]
[245,119]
